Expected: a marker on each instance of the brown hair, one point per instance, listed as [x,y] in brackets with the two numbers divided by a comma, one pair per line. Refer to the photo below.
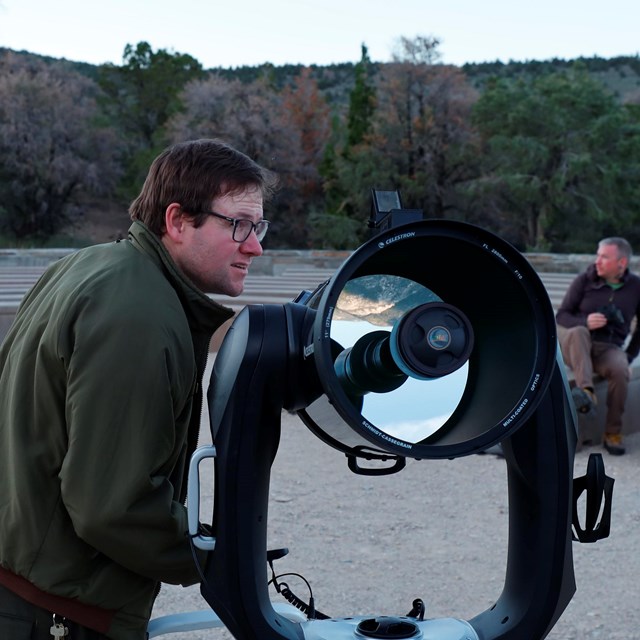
[192,174]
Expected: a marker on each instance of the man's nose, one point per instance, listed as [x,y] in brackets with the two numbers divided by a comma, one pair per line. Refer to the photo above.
[252,245]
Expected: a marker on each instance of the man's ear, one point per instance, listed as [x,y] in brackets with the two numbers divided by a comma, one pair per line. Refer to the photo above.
[174,222]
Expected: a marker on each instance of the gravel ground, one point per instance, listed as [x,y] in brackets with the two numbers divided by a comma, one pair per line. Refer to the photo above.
[437,530]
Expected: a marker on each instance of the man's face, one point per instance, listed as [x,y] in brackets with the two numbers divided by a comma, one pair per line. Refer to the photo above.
[209,256]
[609,265]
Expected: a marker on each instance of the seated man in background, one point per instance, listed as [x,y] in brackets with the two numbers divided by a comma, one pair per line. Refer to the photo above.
[594,320]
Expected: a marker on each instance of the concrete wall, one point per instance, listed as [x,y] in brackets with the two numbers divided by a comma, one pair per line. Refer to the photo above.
[31,257]
[568,262]
[276,262]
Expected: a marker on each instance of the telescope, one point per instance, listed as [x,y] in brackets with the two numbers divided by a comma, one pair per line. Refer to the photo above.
[435,339]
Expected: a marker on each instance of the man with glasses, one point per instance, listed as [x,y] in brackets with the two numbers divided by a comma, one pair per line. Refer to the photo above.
[100,397]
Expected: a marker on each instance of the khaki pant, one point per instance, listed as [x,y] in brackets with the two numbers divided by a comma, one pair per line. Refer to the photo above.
[607,360]
[20,620]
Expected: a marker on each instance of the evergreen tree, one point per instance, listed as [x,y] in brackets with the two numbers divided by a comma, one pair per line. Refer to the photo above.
[143,94]
[560,159]
[362,101]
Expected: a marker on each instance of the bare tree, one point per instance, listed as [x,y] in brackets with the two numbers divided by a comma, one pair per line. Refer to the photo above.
[422,125]
[244,114]
[284,131]
[419,50]
[51,148]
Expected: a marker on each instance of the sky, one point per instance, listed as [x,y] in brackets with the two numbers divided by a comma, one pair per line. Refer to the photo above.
[233,33]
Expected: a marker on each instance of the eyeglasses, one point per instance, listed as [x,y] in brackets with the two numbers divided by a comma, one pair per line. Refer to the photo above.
[242,227]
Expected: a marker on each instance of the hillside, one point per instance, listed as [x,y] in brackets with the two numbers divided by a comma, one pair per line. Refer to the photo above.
[621,75]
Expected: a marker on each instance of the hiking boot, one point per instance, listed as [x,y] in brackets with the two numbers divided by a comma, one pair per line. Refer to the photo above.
[584,399]
[613,444]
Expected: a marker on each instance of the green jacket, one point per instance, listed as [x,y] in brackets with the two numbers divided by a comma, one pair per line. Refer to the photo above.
[99,412]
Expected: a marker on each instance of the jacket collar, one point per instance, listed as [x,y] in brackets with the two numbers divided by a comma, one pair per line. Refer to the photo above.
[204,313]
[592,274]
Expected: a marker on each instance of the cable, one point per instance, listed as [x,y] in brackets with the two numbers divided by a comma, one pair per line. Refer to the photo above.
[282,588]
[203,578]
[309,609]
[417,610]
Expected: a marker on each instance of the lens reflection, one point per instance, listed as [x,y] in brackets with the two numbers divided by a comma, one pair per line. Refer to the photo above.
[417,408]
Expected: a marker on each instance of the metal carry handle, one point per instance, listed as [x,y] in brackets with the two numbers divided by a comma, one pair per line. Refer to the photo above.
[200,540]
